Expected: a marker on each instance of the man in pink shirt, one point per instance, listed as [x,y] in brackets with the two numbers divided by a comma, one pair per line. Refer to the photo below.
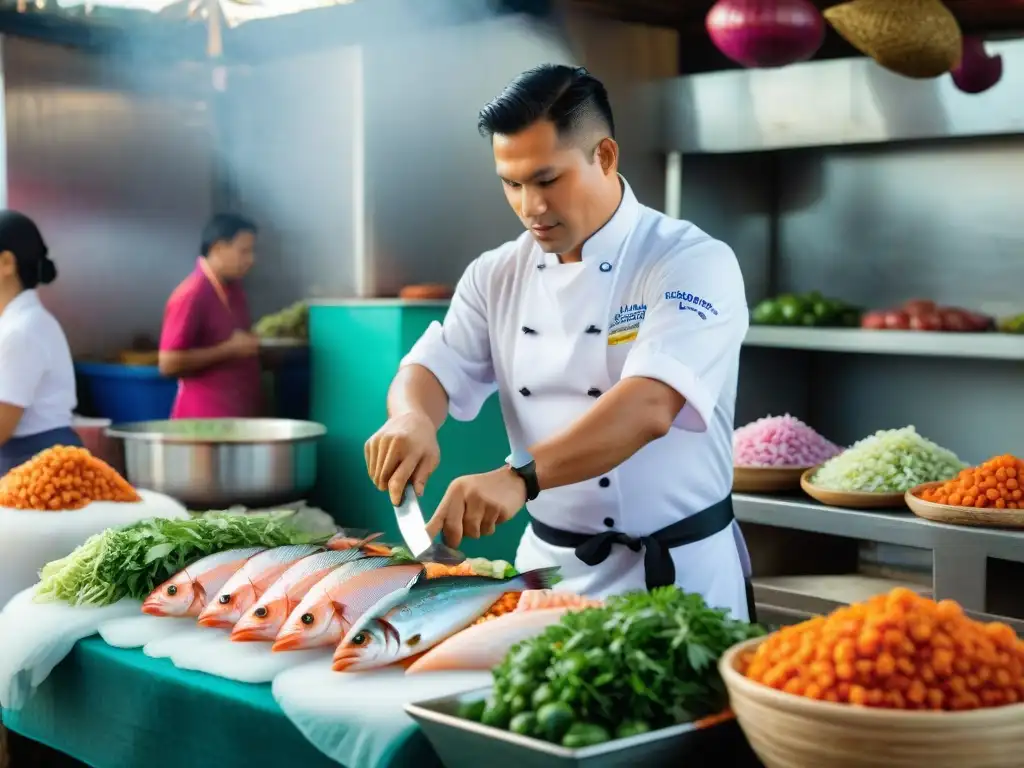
[206,342]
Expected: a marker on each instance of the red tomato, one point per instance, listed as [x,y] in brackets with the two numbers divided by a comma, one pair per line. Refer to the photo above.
[955,320]
[873,320]
[926,321]
[897,321]
[979,322]
[919,307]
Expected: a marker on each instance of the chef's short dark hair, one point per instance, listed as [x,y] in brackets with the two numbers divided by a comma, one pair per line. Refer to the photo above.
[223,228]
[570,97]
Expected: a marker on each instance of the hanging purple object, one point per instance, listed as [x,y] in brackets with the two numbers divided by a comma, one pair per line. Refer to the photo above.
[766,33]
[977,71]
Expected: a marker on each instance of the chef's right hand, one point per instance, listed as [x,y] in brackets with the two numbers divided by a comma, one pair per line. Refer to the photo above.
[404,450]
[243,344]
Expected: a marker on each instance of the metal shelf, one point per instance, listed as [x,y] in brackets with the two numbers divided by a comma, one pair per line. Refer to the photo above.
[991,346]
[960,553]
[896,527]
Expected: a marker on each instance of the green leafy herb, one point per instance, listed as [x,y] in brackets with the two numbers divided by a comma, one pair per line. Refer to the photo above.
[132,561]
[646,658]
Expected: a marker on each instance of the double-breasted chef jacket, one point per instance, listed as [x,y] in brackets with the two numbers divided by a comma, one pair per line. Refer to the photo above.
[653,297]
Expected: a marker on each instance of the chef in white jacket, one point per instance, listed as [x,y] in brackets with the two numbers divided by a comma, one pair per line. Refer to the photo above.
[612,335]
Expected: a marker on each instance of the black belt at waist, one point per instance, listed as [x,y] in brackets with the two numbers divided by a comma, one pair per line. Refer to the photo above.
[594,548]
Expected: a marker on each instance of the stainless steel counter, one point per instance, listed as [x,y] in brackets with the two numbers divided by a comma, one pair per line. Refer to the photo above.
[960,554]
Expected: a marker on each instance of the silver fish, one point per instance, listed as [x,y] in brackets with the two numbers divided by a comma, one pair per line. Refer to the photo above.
[415,618]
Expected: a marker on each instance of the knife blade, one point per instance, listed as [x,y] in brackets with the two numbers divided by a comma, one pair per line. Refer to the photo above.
[413,528]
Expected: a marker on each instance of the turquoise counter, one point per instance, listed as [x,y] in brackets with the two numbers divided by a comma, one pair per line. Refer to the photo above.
[113,708]
[356,348]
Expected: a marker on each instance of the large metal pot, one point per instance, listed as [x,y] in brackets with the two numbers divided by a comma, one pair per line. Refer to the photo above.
[217,463]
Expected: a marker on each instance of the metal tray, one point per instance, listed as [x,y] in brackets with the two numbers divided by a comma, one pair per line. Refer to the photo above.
[465,744]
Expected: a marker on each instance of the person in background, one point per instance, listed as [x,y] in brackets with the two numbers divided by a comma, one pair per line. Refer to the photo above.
[37,375]
[206,340]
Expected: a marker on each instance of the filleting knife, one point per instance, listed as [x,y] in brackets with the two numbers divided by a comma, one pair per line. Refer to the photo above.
[414,532]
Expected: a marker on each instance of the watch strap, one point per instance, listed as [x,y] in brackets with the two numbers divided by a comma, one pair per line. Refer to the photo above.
[523,465]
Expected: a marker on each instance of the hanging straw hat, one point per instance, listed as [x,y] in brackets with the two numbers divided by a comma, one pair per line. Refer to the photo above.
[914,38]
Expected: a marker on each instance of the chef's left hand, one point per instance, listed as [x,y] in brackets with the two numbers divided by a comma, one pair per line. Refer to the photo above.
[475,504]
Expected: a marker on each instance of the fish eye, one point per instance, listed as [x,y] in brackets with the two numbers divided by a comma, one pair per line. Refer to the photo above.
[307,619]
[260,612]
[172,590]
[359,638]
[225,599]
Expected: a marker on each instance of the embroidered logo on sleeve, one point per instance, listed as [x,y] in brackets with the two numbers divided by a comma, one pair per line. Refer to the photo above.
[626,323]
[689,302]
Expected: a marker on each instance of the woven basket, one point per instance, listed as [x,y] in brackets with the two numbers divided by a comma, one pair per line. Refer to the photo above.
[913,38]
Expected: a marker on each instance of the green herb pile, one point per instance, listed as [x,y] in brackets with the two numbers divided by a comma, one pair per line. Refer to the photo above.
[646,660]
[130,562]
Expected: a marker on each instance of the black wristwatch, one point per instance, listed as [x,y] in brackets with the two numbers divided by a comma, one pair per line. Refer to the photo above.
[522,464]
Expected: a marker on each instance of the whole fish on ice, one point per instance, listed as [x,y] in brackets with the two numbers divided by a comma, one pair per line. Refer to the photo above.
[339,599]
[417,617]
[187,592]
[264,619]
[249,583]
[483,645]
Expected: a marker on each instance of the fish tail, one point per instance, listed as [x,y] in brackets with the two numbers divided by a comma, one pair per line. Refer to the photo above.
[539,578]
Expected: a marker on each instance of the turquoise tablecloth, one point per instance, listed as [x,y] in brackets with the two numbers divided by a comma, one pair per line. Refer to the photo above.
[112,708]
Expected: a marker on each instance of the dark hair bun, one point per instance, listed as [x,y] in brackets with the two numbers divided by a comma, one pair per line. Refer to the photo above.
[47,271]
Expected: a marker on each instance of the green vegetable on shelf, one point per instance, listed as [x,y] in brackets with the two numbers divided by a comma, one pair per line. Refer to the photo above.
[1013,324]
[643,661]
[811,310]
[290,323]
[130,562]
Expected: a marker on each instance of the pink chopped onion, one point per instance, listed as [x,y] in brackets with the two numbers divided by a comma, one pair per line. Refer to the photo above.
[766,33]
[780,441]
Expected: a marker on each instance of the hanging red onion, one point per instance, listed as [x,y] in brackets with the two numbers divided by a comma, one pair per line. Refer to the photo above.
[766,33]
[977,71]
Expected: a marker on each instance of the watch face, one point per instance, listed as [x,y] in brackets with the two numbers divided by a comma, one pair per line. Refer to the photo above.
[519,458]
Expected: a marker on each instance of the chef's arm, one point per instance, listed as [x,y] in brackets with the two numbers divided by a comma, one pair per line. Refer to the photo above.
[416,390]
[10,416]
[184,362]
[633,413]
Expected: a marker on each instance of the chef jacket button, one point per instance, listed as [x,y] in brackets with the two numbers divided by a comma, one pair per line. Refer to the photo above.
[592,329]
[594,392]
[528,331]
[604,482]
[541,265]
[605,267]
[609,523]
[524,392]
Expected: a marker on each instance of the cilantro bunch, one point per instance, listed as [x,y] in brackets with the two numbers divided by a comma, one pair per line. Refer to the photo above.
[646,660]
[130,562]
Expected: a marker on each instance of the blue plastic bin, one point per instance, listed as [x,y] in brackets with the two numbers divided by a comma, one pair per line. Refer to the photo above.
[126,393]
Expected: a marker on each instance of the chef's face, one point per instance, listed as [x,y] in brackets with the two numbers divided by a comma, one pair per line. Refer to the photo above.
[559,189]
[235,257]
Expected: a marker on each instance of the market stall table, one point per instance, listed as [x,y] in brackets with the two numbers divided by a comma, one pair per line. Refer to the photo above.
[112,707]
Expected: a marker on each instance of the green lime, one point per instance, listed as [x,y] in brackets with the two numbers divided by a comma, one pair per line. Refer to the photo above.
[525,724]
[585,735]
[496,715]
[473,710]
[554,720]
[631,728]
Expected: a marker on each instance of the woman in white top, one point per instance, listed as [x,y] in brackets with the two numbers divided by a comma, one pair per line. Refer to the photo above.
[37,376]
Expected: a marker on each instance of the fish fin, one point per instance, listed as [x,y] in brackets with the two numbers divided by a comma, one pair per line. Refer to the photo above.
[199,592]
[539,578]
[368,539]
[339,608]
[442,581]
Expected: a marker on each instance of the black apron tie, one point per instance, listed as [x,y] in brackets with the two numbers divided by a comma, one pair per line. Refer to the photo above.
[659,569]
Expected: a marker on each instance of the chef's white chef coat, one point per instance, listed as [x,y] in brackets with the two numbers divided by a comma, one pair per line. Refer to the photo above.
[653,297]
[36,369]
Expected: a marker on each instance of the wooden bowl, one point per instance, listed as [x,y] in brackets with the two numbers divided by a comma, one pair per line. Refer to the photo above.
[766,479]
[850,499]
[954,515]
[788,731]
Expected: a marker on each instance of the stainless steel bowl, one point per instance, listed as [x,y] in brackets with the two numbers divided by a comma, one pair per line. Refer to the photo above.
[216,463]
